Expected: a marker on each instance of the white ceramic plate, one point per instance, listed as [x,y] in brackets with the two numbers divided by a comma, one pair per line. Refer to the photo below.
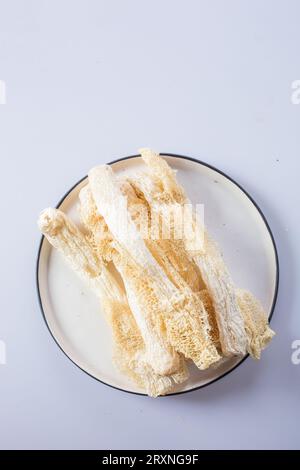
[73,315]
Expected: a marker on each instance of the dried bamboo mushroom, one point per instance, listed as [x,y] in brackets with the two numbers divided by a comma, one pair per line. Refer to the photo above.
[167,299]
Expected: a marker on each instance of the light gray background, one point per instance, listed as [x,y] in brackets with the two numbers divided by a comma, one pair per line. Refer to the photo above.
[90,81]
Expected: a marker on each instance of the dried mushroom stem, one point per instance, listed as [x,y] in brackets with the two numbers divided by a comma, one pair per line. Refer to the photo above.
[154,299]
[160,354]
[128,344]
[236,336]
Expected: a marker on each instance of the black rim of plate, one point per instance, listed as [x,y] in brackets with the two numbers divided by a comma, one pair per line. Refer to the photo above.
[183,157]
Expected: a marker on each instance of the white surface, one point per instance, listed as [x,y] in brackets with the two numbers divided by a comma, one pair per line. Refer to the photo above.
[87,82]
[74,315]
